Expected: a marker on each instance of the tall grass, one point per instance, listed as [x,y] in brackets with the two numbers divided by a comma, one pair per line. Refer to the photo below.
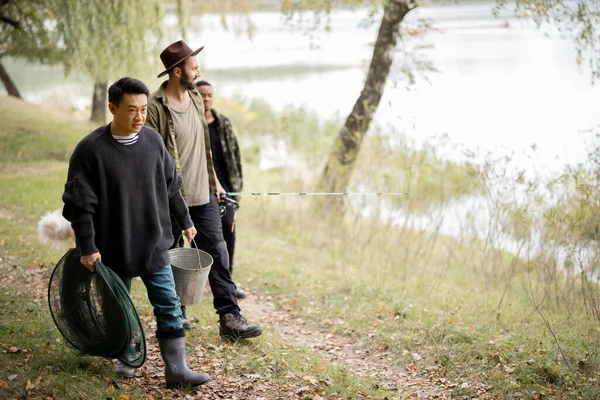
[465,270]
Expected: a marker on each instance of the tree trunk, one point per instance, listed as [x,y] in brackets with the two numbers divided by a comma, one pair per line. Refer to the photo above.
[10,86]
[99,102]
[338,170]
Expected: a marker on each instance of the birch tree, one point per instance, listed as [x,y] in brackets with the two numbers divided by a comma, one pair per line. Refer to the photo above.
[338,169]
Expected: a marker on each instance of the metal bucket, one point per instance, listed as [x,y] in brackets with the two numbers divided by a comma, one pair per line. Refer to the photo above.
[190,270]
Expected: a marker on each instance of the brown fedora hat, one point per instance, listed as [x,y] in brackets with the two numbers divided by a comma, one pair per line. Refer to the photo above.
[176,53]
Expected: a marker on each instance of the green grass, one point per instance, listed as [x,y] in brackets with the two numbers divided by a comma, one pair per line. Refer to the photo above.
[26,325]
[31,134]
[37,364]
[465,308]
[372,282]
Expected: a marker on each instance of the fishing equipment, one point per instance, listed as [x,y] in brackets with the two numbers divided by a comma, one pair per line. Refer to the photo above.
[378,194]
[94,312]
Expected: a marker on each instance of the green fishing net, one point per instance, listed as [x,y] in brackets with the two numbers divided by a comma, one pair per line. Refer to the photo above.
[94,312]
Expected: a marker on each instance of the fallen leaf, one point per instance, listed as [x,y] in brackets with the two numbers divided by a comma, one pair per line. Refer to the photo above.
[508,369]
[253,377]
[3,385]
[29,385]
[302,389]
[311,379]
[12,377]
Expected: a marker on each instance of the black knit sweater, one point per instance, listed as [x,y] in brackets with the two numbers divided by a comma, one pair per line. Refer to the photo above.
[118,199]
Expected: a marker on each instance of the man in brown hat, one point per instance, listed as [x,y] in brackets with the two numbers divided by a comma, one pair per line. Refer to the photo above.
[176,111]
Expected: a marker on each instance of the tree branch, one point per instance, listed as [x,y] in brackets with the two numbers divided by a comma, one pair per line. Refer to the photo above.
[10,21]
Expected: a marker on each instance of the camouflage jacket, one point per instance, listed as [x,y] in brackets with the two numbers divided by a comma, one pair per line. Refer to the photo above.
[231,150]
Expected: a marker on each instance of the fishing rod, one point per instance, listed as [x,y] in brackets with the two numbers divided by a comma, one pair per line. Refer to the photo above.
[228,201]
[317,194]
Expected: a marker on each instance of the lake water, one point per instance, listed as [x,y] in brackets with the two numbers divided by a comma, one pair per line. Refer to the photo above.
[499,89]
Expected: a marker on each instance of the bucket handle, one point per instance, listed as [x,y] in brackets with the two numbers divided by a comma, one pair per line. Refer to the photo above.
[193,241]
[195,248]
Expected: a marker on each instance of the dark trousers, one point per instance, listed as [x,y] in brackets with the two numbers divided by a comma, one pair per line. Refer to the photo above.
[207,220]
[229,234]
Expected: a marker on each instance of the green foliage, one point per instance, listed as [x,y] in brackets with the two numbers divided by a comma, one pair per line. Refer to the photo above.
[109,39]
[579,19]
[576,216]
[105,39]
[323,7]
[299,128]
[26,30]
[235,14]
[424,175]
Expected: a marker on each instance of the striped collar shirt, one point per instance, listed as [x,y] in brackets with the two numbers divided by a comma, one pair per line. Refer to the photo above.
[127,140]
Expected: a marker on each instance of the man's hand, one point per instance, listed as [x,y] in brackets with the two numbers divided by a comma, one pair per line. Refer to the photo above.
[88,261]
[220,190]
[190,233]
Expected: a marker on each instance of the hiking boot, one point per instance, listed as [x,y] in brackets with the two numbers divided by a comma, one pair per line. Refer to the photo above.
[240,293]
[124,371]
[186,322]
[234,326]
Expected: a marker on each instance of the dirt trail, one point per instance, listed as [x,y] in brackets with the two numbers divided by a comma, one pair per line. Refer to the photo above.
[406,382]
[342,351]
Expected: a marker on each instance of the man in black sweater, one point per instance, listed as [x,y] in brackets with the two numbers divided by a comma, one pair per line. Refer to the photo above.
[122,187]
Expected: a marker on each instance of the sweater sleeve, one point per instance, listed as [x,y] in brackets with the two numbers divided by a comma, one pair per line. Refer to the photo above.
[177,205]
[80,206]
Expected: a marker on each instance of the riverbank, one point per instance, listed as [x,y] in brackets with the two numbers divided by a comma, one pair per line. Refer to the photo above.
[451,316]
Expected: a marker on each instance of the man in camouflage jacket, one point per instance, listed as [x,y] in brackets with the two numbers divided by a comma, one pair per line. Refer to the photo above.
[226,161]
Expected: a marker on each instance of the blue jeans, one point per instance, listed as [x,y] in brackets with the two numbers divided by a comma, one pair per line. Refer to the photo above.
[160,286]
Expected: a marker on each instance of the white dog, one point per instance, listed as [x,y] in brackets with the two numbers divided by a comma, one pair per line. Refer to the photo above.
[54,230]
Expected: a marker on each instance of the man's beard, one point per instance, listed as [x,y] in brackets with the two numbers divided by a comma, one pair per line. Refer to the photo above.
[186,81]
